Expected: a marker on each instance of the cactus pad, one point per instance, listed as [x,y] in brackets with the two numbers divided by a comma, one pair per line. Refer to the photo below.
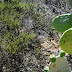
[62,53]
[52,58]
[66,41]
[62,22]
[59,66]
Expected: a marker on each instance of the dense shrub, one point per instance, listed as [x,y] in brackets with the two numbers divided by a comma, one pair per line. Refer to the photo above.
[12,41]
[10,20]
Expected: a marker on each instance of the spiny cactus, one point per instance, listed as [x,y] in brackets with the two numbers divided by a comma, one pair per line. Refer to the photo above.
[62,22]
[66,41]
[59,65]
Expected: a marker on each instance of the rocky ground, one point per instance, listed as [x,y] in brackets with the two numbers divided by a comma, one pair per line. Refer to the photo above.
[35,59]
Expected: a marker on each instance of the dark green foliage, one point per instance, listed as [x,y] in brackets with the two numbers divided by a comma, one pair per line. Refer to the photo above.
[62,22]
[7,1]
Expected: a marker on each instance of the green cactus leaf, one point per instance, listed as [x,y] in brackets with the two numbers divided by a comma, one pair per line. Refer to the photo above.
[62,53]
[52,58]
[66,41]
[69,2]
[62,22]
[60,65]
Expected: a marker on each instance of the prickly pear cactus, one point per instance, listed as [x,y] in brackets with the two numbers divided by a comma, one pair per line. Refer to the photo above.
[60,65]
[52,58]
[62,22]
[62,53]
[69,2]
[66,41]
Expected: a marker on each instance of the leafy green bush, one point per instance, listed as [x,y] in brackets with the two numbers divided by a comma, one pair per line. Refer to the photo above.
[10,20]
